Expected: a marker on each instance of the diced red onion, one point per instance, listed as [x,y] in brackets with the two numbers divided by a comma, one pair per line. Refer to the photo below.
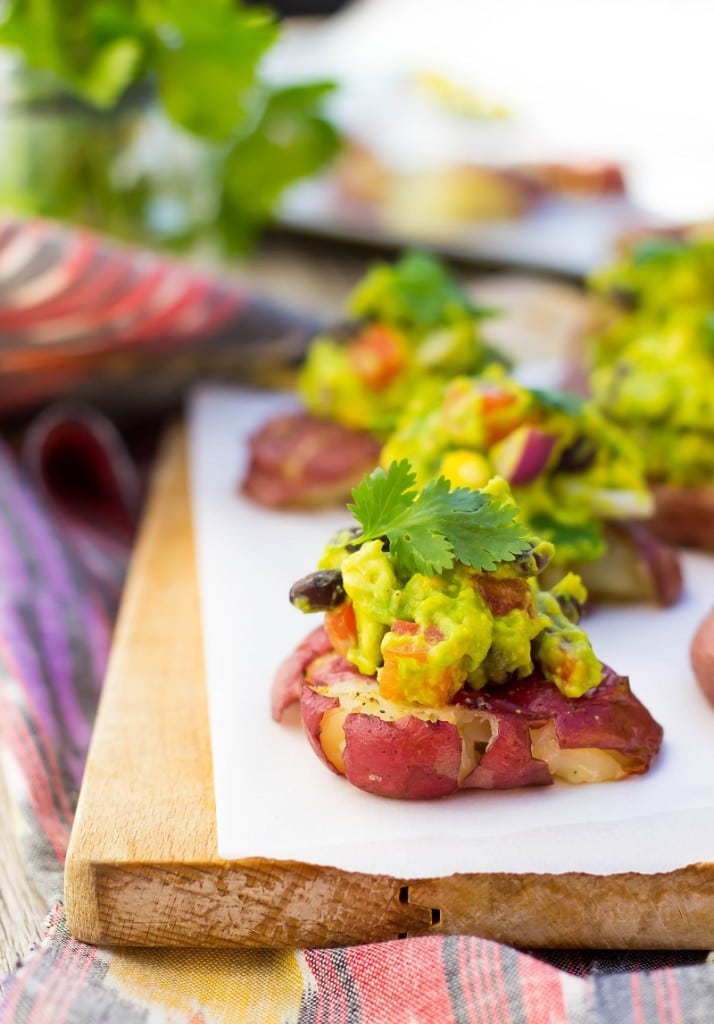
[524,454]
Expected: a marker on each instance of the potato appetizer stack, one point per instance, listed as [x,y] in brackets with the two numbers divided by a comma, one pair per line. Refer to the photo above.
[652,372]
[442,663]
[411,328]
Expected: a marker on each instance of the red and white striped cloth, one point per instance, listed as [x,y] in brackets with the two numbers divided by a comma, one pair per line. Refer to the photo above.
[80,316]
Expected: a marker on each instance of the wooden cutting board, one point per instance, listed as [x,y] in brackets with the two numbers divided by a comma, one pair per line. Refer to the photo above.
[143,868]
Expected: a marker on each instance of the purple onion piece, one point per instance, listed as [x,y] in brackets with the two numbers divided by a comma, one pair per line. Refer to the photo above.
[524,454]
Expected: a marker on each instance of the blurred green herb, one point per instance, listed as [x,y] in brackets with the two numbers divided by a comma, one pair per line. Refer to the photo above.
[707,332]
[416,292]
[656,250]
[203,63]
[561,401]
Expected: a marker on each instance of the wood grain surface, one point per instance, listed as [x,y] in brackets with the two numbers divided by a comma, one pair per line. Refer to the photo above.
[143,869]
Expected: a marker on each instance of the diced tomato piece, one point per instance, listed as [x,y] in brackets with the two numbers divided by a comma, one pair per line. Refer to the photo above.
[341,627]
[502,412]
[378,355]
[407,676]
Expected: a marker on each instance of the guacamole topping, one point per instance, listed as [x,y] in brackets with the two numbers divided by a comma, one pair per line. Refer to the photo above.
[570,470]
[414,327]
[425,636]
[653,365]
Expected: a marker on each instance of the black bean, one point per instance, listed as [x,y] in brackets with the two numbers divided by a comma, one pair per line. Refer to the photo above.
[356,533]
[318,591]
[578,456]
[345,331]
[533,560]
[625,297]
[570,607]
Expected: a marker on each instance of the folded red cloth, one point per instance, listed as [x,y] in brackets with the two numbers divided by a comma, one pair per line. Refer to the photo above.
[83,317]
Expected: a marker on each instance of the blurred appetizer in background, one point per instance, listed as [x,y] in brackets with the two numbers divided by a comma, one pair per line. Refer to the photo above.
[702,656]
[412,328]
[411,377]
[577,478]
[435,156]
[433,202]
[652,372]
[442,663]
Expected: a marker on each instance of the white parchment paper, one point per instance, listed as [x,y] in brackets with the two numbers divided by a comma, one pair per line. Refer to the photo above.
[275,799]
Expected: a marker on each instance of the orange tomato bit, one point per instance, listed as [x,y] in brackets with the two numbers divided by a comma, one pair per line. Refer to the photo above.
[378,355]
[341,627]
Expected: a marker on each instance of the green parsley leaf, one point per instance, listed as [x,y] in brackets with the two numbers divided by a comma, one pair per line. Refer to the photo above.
[561,401]
[429,530]
[416,292]
[707,332]
[655,250]
[381,497]
[490,537]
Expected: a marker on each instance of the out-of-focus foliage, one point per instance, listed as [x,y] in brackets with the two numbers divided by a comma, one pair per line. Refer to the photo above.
[202,62]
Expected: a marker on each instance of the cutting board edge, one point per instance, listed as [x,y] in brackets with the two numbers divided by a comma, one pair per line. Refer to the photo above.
[288,904]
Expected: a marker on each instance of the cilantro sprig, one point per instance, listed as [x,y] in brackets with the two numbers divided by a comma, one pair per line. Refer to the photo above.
[204,66]
[429,530]
[416,292]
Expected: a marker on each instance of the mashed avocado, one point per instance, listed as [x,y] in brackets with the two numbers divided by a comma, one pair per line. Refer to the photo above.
[653,366]
[570,469]
[426,637]
[414,328]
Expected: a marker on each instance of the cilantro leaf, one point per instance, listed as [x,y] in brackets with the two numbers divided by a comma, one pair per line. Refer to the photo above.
[421,550]
[562,401]
[381,497]
[490,537]
[429,530]
[291,139]
[415,292]
[655,250]
[707,333]
[206,56]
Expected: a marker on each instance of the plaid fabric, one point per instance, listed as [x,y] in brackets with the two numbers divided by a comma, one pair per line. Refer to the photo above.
[64,547]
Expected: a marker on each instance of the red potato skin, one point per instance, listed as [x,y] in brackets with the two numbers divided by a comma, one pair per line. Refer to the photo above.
[702,656]
[659,560]
[287,684]
[609,718]
[410,758]
[299,461]
[313,706]
[508,763]
[684,516]
[637,566]
[407,757]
